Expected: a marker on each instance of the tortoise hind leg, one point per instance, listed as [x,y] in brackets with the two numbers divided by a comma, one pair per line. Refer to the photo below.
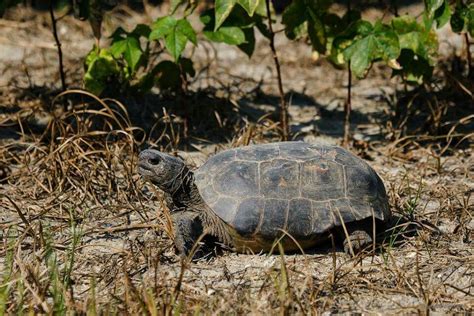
[358,240]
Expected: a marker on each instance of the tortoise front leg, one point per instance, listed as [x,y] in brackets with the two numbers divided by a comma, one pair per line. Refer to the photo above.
[358,239]
[187,230]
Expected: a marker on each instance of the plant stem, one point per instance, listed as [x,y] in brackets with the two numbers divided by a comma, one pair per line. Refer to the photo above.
[470,66]
[348,106]
[183,91]
[283,104]
[58,44]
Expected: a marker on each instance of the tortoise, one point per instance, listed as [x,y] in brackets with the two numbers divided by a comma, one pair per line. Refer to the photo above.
[298,193]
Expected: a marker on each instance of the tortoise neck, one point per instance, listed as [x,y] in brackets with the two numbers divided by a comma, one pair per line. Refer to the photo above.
[187,194]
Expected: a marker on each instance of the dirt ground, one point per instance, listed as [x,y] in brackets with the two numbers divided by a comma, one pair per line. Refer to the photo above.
[81,231]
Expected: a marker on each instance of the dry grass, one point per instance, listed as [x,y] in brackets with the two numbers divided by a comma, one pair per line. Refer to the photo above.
[82,233]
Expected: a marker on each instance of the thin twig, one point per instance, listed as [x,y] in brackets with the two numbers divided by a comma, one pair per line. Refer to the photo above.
[348,104]
[58,44]
[348,107]
[470,66]
[283,104]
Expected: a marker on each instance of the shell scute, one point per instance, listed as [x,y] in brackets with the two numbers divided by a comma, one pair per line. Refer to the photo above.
[300,218]
[342,211]
[274,217]
[227,208]
[258,153]
[279,178]
[248,216]
[237,179]
[321,180]
[323,218]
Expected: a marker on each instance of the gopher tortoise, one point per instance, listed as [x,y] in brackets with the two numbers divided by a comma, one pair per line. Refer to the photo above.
[298,193]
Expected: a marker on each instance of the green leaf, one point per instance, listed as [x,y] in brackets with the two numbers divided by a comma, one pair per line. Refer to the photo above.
[317,33]
[360,54]
[346,38]
[207,19]
[457,22]
[130,49]
[415,69]
[238,29]
[294,19]
[338,46]
[175,32]
[261,9]
[118,48]
[222,11]
[419,46]
[133,53]
[249,5]
[167,74]
[470,20]
[248,46]
[184,27]
[175,43]
[415,37]
[361,27]
[231,35]
[91,56]
[380,43]
[432,6]
[162,27]
[100,67]
[442,15]
[463,18]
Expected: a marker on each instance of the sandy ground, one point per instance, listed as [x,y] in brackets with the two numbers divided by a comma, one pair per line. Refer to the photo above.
[123,251]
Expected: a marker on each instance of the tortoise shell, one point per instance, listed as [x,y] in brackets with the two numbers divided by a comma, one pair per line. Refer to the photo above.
[303,189]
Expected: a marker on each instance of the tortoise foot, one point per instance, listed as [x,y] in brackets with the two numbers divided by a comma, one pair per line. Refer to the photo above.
[358,240]
[190,237]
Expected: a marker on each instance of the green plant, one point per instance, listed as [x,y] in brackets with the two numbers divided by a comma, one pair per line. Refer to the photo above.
[135,61]
[462,19]
[233,22]
[234,26]
[404,44]
[7,270]
[129,65]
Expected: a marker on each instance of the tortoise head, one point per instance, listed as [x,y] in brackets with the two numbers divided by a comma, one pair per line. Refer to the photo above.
[165,171]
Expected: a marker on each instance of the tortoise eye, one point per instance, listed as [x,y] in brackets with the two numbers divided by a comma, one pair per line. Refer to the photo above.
[154,161]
